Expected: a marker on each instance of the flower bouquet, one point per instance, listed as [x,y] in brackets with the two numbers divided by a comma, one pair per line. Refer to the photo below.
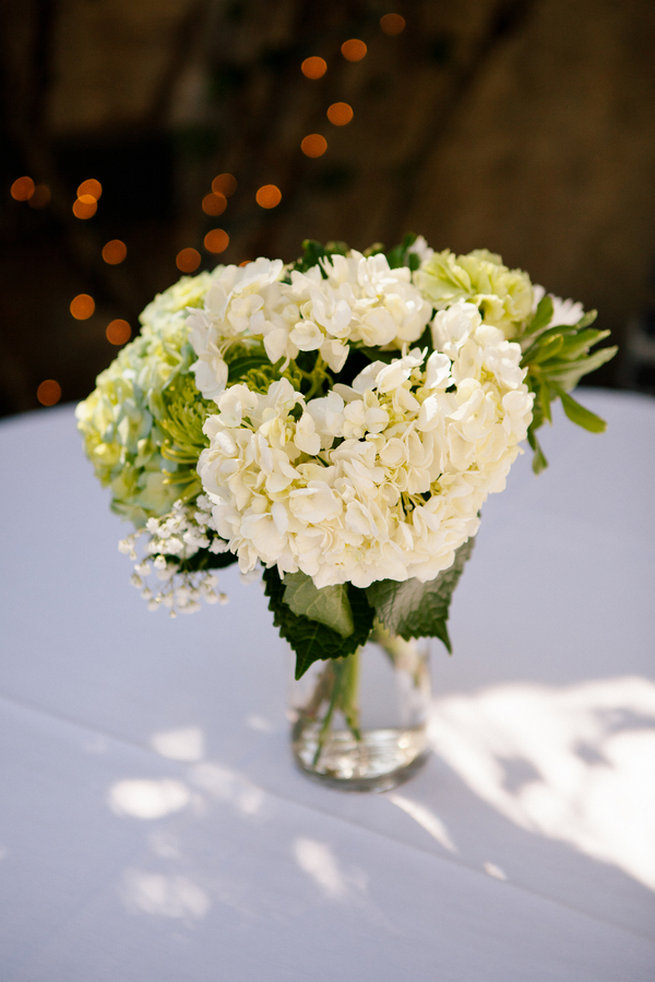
[336,425]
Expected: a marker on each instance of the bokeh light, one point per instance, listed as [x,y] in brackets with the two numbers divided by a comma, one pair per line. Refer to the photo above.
[188,260]
[313,145]
[22,188]
[393,24]
[224,184]
[216,240]
[268,196]
[214,203]
[48,392]
[90,187]
[41,197]
[82,307]
[118,331]
[353,49]
[85,206]
[314,67]
[340,113]
[114,252]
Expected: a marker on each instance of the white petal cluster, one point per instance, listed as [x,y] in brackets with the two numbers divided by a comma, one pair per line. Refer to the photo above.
[174,537]
[381,479]
[353,299]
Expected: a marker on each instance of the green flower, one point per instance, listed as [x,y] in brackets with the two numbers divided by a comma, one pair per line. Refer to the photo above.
[502,295]
[141,423]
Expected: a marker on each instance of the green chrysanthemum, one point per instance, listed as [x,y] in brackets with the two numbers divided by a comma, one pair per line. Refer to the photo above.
[502,295]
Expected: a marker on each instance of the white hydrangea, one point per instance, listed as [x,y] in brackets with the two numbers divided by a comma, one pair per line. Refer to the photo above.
[240,305]
[346,300]
[382,479]
[355,299]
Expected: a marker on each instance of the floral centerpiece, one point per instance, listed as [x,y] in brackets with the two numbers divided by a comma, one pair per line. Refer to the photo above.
[334,424]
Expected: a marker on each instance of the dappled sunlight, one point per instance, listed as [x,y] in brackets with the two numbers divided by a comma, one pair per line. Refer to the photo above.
[317,860]
[260,724]
[173,896]
[148,799]
[184,744]
[573,764]
[425,818]
[222,784]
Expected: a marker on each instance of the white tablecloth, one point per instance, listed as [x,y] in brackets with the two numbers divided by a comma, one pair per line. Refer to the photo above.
[154,829]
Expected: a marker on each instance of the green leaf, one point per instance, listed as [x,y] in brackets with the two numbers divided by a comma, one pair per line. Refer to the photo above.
[539,462]
[328,605]
[581,416]
[398,255]
[542,316]
[419,610]
[311,640]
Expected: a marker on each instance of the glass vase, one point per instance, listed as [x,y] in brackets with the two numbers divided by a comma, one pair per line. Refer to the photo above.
[360,723]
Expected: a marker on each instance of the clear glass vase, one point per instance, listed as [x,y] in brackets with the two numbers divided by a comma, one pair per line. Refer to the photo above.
[360,723]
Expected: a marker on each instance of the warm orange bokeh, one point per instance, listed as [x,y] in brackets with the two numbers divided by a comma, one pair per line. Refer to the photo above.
[90,187]
[314,67]
[340,113]
[118,331]
[187,260]
[85,206]
[22,189]
[49,392]
[41,196]
[82,307]
[114,252]
[216,240]
[393,23]
[268,196]
[224,184]
[214,203]
[354,49]
[313,145]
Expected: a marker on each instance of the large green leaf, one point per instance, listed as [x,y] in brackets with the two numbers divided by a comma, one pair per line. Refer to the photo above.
[419,610]
[329,605]
[311,640]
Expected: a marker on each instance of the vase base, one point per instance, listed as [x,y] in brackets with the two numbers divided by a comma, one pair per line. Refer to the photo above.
[379,761]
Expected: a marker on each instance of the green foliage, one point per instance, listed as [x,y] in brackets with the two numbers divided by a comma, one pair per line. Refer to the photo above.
[418,610]
[313,252]
[401,256]
[310,639]
[556,359]
[329,605]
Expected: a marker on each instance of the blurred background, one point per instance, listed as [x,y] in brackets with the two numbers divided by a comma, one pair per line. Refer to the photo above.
[147,138]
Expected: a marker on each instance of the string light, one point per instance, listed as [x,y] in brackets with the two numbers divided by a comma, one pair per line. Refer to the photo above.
[187,260]
[224,184]
[48,392]
[90,187]
[353,49]
[216,240]
[314,67]
[393,24]
[313,145]
[85,206]
[82,307]
[22,188]
[268,196]
[114,252]
[340,113]
[118,331]
[214,203]
[41,197]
